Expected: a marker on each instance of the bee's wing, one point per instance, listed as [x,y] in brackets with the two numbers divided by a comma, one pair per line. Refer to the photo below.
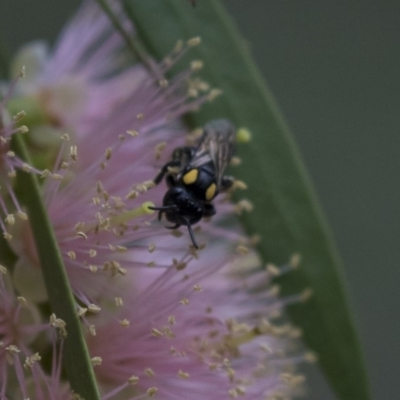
[217,145]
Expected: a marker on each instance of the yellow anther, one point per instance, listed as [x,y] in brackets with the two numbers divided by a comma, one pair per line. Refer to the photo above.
[151,392]
[23,129]
[96,361]
[163,83]
[124,323]
[22,72]
[19,115]
[133,380]
[146,206]
[243,135]
[183,375]
[194,41]
[196,65]
[178,46]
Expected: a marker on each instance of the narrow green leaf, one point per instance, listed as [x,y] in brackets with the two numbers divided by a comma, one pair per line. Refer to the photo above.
[286,213]
[75,357]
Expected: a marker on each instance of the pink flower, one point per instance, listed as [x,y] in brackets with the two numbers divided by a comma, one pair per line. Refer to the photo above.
[205,332]
[194,323]
[21,373]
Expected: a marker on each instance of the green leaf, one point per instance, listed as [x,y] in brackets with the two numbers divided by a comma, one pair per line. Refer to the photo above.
[76,356]
[286,213]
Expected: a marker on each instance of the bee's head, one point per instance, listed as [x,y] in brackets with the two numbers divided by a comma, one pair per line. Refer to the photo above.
[181,208]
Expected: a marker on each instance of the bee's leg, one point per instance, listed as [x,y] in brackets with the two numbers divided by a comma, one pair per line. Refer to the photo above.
[209,210]
[226,183]
[191,233]
[164,170]
[171,181]
[176,226]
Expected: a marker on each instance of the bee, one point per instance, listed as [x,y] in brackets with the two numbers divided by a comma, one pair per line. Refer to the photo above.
[195,176]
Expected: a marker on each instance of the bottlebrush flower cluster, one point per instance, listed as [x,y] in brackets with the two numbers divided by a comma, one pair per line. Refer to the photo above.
[162,319]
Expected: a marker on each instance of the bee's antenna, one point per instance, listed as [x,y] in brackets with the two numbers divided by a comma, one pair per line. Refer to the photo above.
[191,233]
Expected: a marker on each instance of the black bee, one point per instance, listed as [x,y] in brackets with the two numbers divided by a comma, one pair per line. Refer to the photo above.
[195,176]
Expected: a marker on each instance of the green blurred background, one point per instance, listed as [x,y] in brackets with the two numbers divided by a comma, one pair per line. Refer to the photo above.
[333,67]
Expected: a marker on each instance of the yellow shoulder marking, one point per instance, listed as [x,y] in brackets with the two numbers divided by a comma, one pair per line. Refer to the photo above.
[191,176]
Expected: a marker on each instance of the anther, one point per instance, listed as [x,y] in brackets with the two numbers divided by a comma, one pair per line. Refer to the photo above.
[156,333]
[45,173]
[92,330]
[242,249]
[214,93]
[22,72]
[59,324]
[57,177]
[96,361]
[311,357]
[10,219]
[243,205]
[30,361]
[151,392]
[183,375]
[306,295]
[133,380]
[163,83]
[196,65]
[295,261]
[73,152]
[81,235]
[243,135]
[22,301]
[194,41]
[272,269]
[19,115]
[94,309]
[26,167]
[197,288]
[7,236]
[82,311]
[239,185]
[178,46]
[125,323]
[149,372]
